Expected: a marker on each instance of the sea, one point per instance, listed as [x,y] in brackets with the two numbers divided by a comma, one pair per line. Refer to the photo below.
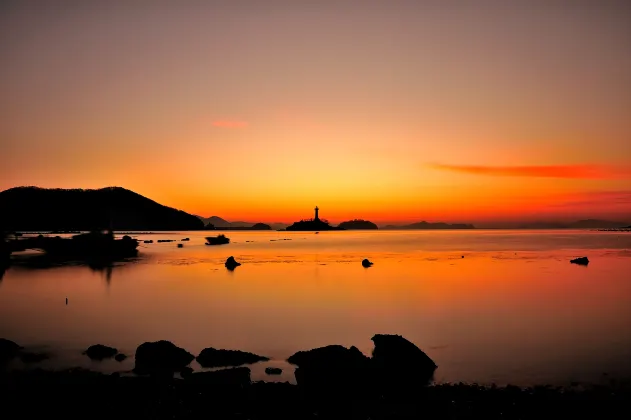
[488,306]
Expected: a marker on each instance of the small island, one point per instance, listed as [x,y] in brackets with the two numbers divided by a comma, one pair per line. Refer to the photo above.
[357,224]
[316,224]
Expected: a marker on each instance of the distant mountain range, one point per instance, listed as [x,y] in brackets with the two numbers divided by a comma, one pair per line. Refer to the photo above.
[581,224]
[426,226]
[218,222]
[42,209]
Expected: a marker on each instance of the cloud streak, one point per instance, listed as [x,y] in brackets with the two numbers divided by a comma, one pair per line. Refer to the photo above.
[542,171]
[230,124]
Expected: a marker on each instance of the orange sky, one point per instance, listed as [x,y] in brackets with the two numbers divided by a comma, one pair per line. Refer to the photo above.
[392,111]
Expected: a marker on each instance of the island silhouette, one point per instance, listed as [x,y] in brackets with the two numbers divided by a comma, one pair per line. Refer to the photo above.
[315,224]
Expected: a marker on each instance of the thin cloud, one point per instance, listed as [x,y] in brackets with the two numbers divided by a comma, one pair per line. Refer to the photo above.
[595,198]
[230,124]
[542,171]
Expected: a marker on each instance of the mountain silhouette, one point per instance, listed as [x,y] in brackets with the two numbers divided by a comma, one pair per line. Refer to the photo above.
[220,223]
[580,224]
[357,224]
[426,225]
[42,209]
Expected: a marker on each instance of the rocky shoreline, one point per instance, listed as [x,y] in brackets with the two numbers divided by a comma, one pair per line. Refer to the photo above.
[84,394]
[332,382]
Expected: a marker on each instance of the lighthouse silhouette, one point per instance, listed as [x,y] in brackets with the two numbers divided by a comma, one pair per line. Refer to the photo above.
[316,214]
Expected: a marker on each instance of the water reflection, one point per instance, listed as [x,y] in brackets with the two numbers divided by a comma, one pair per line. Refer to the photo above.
[525,316]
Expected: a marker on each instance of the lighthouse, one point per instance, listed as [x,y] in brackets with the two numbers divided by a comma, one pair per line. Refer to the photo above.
[317,219]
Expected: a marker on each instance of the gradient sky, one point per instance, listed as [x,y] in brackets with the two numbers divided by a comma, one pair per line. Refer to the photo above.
[387,110]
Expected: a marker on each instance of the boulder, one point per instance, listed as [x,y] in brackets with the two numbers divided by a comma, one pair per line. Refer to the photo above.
[160,357]
[332,370]
[231,263]
[366,263]
[100,352]
[580,261]
[120,357]
[8,350]
[333,355]
[398,363]
[211,357]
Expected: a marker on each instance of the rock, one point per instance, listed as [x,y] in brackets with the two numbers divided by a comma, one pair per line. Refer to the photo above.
[160,357]
[333,355]
[239,376]
[148,241]
[332,370]
[580,261]
[186,239]
[273,371]
[211,357]
[180,245]
[28,357]
[120,357]
[100,352]
[231,264]
[366,263]
[8,350]
[186,372]
[399,363]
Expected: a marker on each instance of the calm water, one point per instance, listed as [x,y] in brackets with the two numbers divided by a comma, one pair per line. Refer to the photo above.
[512,310]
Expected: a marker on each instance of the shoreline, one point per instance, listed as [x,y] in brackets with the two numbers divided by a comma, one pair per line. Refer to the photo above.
[80,393]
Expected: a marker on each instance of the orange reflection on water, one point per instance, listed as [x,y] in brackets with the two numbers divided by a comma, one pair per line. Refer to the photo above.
[527,316]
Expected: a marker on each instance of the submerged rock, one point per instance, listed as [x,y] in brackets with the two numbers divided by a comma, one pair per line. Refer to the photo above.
[8,350]
[231,263]
[366,263]
[211,357]
[273,371]
[239,376]
[160,357]
[580,261]
[100,352]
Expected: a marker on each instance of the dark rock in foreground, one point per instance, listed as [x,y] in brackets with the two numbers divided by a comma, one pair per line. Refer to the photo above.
[273,371]
[398,362]
[161,357]
[8,350]
[333,370]
[333,355]
[366,263]
[211,357]
[100,352]
[580,261]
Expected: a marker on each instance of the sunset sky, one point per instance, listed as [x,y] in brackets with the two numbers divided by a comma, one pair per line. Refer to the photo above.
[393,111]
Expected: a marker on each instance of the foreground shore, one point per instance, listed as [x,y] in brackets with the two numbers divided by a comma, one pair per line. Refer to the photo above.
[84,394]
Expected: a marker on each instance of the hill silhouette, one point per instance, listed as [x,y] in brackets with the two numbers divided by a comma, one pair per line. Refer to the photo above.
[42,209]
[220,223]
[357,224]
[426,225]
[580,224]
[312,225]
